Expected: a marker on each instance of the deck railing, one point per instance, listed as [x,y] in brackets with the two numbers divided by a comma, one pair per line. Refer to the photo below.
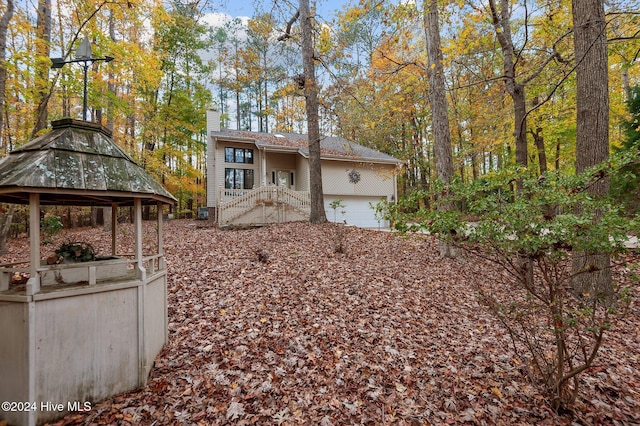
[236,202]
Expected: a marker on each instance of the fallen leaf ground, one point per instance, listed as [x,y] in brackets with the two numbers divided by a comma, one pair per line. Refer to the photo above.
[321,325]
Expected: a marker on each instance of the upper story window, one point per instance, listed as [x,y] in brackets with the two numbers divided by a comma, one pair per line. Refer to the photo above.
[238,155]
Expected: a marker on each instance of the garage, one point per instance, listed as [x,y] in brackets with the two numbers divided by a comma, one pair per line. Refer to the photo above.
[357,211]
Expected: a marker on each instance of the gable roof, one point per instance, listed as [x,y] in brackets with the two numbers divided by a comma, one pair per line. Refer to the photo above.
[77,163]
[331,147]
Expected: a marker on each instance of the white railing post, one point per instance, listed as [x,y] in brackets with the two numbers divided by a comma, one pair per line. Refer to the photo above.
[234,203]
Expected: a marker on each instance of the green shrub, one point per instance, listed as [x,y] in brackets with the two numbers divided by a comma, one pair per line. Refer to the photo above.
[76,252]
[50,225]
[556,329]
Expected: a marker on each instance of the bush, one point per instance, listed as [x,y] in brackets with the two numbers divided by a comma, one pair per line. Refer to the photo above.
[556,330]
[50,225]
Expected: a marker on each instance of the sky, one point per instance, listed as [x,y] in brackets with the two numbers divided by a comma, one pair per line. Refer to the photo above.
[246,8]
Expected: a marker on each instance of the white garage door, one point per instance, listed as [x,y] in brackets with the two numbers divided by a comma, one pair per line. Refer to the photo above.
[357,211]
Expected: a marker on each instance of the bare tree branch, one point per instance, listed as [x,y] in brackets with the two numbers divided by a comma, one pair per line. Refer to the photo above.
[287,32]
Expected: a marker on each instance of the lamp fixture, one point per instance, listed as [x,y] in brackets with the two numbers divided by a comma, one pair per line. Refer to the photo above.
[83,56]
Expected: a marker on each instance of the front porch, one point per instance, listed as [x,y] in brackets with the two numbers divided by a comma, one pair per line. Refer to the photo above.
[265,204]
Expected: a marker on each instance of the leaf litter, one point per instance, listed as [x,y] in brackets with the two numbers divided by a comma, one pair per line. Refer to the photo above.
[332,325]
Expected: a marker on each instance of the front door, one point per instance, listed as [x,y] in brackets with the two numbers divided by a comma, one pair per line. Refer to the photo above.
[283,178]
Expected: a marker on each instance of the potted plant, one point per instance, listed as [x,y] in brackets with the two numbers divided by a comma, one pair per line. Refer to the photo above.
[76,252]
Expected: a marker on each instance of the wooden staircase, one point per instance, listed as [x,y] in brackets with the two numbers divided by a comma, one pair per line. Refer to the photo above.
[235,203]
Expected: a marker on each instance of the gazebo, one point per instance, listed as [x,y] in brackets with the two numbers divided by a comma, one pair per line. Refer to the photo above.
[81,332]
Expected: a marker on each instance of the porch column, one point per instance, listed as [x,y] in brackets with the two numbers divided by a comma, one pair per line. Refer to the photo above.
[264,167]
[33,285]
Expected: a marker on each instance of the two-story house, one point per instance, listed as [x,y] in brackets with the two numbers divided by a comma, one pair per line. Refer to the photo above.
[257,178]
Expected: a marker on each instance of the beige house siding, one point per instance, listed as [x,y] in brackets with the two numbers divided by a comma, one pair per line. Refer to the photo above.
[375,179]
[213,120]
[212,194]
[220,165]
[213,125]
[302,180]
[281,161]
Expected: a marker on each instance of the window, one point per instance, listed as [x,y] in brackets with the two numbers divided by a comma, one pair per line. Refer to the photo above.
[228,155]
[238,155]
[238,179]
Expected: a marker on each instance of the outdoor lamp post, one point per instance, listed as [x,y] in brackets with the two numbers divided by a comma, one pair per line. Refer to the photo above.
[83,55]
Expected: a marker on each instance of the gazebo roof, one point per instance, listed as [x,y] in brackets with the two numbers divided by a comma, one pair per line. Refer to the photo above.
[77,163]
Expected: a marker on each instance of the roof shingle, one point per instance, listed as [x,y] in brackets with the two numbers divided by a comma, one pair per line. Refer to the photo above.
[330,146]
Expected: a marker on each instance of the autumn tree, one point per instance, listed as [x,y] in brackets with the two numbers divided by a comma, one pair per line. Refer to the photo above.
[5,18]
[501,19]
[625,186]
[260,31]
[318,214]
[219,36]
[592,270]
[438,101]
[43,38]
[309,85]
[234,63]
[556,333]
[181,101]
[6,216]
[378,91]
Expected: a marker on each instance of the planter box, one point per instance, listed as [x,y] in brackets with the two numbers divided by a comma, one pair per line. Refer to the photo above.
[84,272]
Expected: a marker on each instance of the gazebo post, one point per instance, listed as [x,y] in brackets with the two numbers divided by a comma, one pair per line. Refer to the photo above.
[114,228]
[141,275]
[33,285]
[160,235]
[137,207]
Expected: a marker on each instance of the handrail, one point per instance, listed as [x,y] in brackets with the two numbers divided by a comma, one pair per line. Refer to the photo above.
[241,201]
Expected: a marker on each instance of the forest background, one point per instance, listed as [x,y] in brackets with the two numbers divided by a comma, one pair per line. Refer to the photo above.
[503,94]
[175,59]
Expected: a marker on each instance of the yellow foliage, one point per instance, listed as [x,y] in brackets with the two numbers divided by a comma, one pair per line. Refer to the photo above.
[324,42]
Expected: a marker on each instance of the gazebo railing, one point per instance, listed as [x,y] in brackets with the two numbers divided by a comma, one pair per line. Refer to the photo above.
[115,268]
[9,270]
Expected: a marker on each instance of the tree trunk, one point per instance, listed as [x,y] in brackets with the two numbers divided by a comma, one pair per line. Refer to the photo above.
[591,270]
[318,214]
[438,100]
[542,155]
[4,24]
[6,219]
[111,87]
[106,219]
[43,38]
[502,22]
